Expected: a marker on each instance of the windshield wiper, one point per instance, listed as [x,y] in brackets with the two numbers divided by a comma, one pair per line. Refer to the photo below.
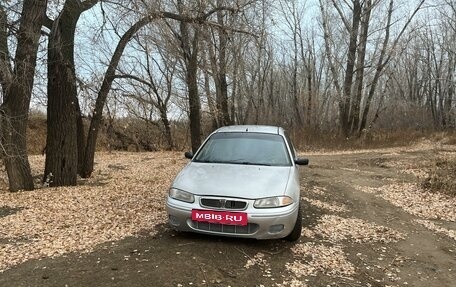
[253,163]
[232,162]
[204,161]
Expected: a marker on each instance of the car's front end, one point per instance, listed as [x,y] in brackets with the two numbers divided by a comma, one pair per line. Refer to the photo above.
[239,185]
[249,222]
[235,207]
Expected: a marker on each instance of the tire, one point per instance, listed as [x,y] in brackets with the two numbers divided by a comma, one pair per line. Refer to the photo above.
[296,232]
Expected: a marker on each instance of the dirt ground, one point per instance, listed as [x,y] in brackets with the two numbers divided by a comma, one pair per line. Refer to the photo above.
[360,229]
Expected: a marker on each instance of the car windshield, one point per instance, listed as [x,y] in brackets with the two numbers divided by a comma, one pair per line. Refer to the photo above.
[245,148]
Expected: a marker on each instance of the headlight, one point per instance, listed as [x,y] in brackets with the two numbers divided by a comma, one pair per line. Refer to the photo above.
[276,201]
[181,195]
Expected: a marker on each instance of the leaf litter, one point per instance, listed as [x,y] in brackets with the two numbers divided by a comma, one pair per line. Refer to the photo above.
[335,229]
[416,201]
[121,202]
[115,203]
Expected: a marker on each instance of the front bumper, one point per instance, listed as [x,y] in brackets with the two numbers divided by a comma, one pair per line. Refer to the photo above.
[268,223]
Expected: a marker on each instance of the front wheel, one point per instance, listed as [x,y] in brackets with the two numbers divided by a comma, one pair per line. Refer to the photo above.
[296,232]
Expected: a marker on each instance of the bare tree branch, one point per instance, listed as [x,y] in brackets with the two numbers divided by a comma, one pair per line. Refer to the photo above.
[6,72]
[342,16]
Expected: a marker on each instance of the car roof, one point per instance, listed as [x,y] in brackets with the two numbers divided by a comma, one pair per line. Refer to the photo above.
[252,129]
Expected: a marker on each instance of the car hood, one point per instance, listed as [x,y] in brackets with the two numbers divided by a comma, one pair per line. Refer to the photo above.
[233,180]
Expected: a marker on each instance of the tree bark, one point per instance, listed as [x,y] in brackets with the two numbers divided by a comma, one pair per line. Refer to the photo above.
[190,49]
[354,117]
[450,95]
[222,100]
[61,144]
[17,85]
[328,50]
[210,100]
[344,103]
[64,119]
[214,105]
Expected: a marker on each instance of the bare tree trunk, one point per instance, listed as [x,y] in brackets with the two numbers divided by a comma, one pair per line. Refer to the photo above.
[214,105]
[345,102]
[222,99]
[207,89]
[167,127]
[164,112]
[309,94]
[294,84]
[309,67]
[81,137]
[61,164]
[355,116]
[190,49]
[194,103]
[328,51]
[450,95]
[294,78]
[65,128]
[17,87]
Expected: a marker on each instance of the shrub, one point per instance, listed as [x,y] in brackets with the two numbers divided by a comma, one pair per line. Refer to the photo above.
[442,177]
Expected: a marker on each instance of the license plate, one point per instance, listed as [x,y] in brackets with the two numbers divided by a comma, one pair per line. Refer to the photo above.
[220,217]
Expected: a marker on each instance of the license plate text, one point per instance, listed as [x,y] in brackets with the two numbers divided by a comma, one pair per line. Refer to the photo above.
[221,217]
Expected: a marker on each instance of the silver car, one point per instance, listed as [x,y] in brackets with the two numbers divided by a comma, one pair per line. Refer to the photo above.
[242,182]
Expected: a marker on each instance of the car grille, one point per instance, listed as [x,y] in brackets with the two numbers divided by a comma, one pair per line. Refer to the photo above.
[222,228]
[223,203]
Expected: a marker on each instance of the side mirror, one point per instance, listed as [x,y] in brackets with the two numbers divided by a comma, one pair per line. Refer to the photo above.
[302,161]
[188,154]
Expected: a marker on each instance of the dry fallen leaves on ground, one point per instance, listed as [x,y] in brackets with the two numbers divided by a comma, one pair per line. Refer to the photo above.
[329,260]
[260,261]
[336,229]
[124,196]
[330,206]
[434,227]
[318,190]
[413,199]
[416,201]
[292,283]
[312,259]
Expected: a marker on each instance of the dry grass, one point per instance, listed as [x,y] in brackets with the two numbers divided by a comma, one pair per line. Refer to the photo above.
[139,135]
[36,131]
[442,177]
[333,140]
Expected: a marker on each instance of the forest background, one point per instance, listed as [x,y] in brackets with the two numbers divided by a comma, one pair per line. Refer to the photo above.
[80,76]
